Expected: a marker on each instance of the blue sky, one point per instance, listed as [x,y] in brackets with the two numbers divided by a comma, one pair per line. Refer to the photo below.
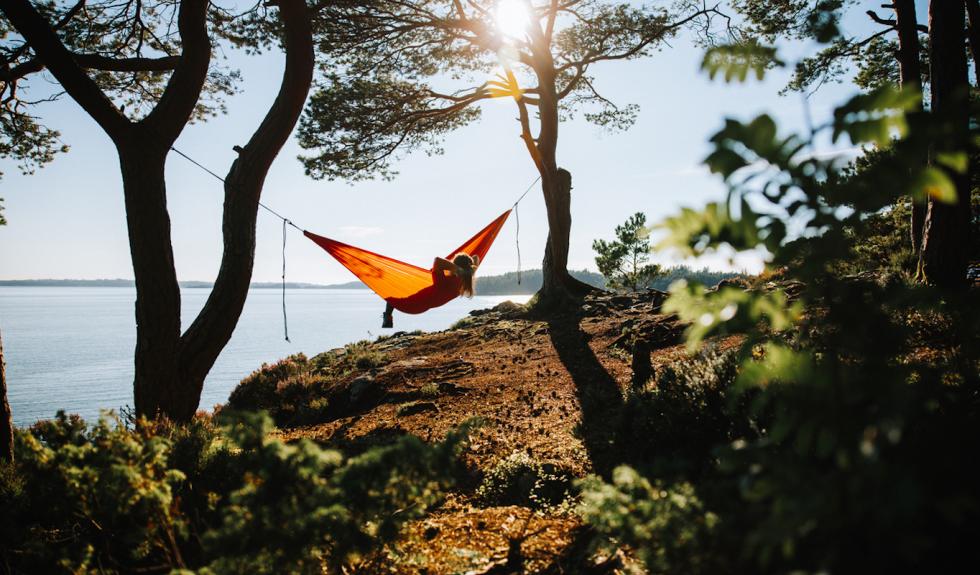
[67,220]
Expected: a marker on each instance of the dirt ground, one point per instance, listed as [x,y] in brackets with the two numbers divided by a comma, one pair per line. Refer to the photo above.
[548,387]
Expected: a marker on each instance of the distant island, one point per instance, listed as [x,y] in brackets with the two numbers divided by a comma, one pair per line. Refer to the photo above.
[510,283]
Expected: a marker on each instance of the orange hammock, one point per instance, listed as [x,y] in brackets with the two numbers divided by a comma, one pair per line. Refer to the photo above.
[410,289]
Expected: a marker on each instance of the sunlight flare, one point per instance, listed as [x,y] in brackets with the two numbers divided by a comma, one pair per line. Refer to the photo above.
[512,18]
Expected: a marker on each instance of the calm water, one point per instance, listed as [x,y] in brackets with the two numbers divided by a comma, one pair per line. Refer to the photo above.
[71,348]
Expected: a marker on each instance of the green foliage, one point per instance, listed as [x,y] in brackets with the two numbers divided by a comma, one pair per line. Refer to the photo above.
[259,391]
[519,479]
[624,261]
[299,391]
[668,526]
[863,386]
[84,499]
[803,20]
[402,74]
[112,31]
[229,499]
[729,310]
[671,425]
[735,61]
[301,506]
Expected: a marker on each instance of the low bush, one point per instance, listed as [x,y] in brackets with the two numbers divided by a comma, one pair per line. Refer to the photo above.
[204,497]
[260,390]
[667,526]
[519,479]
[671,425]
[299,391]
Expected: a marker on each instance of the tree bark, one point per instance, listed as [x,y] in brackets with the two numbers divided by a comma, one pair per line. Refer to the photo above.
[946,237]
[6,419]
[156,387]
[910,76]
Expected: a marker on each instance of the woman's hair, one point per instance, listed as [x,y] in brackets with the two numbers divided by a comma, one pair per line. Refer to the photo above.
[466,265]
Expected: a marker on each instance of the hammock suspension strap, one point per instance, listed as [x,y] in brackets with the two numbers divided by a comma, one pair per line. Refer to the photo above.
[487,235]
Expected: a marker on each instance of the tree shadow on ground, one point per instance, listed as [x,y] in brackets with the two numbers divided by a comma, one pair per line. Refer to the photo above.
[600,398]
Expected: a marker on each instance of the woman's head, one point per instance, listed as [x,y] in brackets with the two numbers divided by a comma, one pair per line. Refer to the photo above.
[466,266]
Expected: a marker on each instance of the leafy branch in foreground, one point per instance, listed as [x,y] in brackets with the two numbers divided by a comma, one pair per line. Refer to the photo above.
[863,388]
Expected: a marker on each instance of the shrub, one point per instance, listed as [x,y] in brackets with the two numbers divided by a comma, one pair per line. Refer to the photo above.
[228,499]
[519,479]
[296,391]
[83,499]
[863,464]
[671,425]
[667,526]
[259,390]
[301,506]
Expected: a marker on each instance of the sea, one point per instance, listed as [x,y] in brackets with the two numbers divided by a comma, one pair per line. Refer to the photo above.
[71,348]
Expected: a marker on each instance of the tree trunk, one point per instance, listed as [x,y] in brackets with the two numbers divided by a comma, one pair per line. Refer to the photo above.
[558,288]
[170,368]
[6,420]
[946,236]
[910,74]
[156,386]
[213,327]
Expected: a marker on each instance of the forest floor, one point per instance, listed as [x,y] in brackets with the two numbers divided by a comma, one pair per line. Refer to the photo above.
[548,388]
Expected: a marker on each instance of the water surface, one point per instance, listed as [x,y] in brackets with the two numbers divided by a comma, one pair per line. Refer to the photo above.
[71,348]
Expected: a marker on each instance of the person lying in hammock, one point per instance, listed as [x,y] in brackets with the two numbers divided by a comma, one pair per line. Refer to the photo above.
[463,266]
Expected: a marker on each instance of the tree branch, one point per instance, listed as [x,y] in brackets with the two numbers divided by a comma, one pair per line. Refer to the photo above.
[529,142]
[96,62]
[59,60]
[172,112]
[878,19]
[211,330]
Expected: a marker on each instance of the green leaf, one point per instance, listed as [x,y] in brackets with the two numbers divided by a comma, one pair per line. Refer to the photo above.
[956,161]
[735,61]
[933,183]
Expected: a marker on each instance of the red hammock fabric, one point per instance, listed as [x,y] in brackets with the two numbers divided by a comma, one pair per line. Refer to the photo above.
[410,289]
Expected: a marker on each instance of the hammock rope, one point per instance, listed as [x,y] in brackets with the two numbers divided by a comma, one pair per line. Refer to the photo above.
[285,322]
[415,302]
[517,221]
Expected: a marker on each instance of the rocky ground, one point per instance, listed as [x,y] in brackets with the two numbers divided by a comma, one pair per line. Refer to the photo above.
[548,391]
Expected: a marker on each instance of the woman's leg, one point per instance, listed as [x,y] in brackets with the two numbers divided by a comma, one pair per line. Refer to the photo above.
[388,319]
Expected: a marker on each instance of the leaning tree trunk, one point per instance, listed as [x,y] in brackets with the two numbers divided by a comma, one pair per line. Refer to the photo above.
[213,327]
[910,76]
[946,236]
[170,368]
[558,288]
[6,421]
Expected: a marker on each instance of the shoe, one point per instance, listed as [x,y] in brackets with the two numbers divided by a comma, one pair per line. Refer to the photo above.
[387,321]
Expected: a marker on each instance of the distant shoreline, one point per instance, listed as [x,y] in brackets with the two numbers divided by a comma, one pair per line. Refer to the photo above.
[510,283]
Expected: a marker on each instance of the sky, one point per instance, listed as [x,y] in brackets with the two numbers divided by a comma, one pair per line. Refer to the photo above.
[67,219]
